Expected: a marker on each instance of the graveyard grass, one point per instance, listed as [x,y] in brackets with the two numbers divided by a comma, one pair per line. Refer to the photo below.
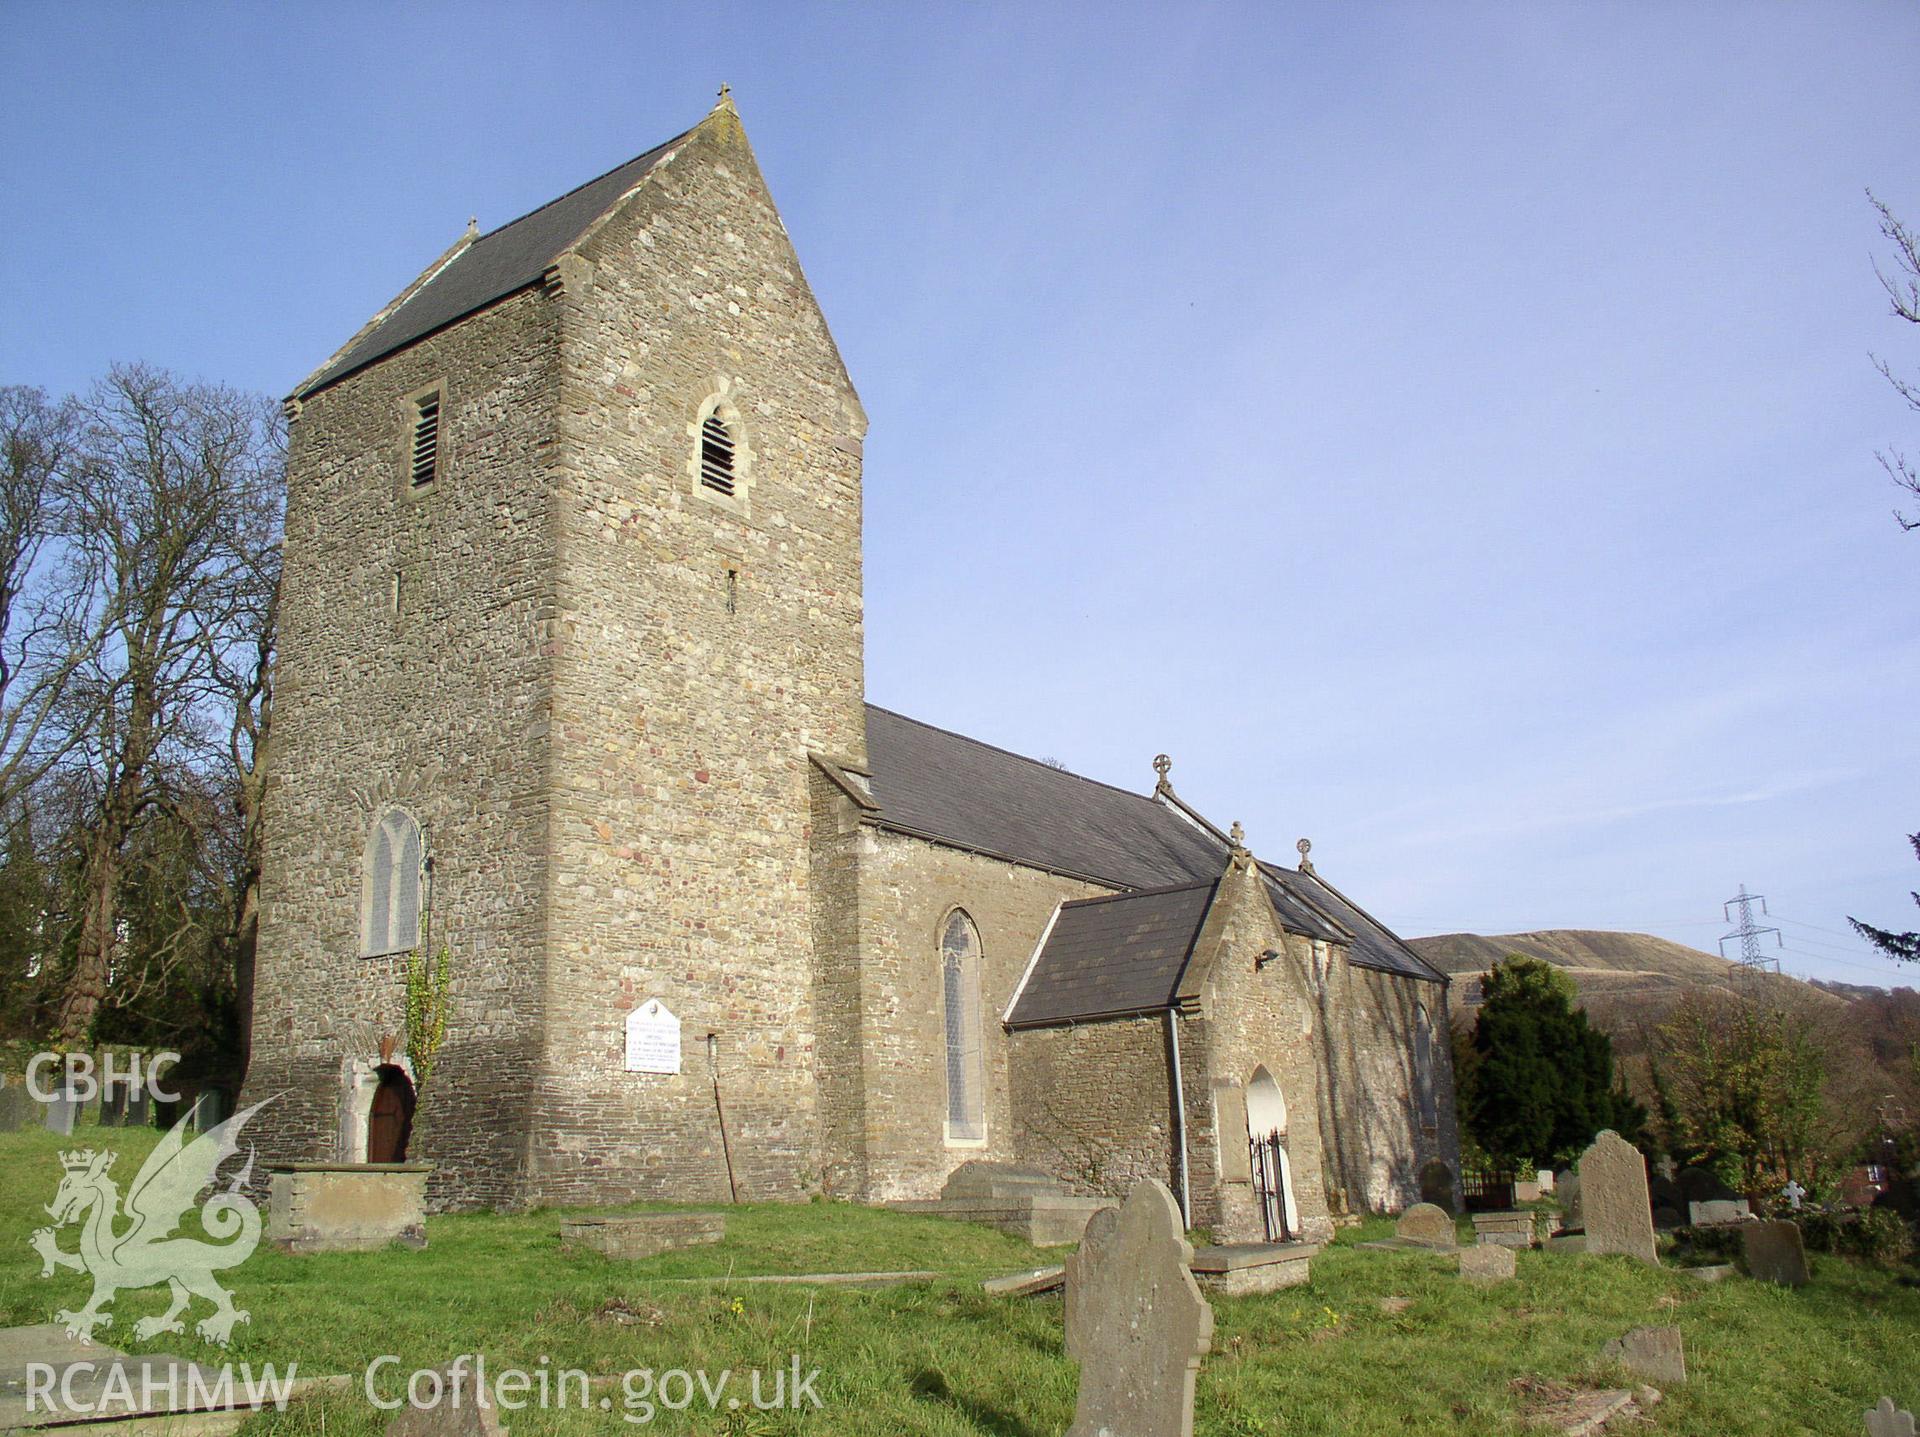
[943,1358]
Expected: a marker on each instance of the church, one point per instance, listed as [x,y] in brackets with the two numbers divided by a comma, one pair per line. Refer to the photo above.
[571,688]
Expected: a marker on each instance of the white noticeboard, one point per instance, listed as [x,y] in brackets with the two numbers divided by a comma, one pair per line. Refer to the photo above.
[653,1039]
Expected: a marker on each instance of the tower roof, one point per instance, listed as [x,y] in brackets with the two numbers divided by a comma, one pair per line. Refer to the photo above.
[484,270]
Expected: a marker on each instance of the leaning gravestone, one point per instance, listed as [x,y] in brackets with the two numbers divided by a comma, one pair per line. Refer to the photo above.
[1886,1420]
[1775,1252]
[1613,1196]
[1427,1225]
[1654,1353]
[463,1409]
[1136,1321]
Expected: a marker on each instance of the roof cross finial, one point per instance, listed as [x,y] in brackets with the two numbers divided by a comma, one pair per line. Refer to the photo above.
[726,92]
[1305,846]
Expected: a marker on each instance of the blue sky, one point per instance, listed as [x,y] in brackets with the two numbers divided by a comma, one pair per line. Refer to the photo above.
[1446,430]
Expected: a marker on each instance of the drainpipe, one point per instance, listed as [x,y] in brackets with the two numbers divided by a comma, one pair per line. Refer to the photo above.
[1179,1117]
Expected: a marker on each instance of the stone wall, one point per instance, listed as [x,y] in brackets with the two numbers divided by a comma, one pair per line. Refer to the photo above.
[438,704]
[703,647]
[1093,1104]
[1370,1107]
[907,889]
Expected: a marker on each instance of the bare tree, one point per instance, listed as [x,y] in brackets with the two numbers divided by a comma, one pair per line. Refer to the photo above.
[52,616]
[1903,291]
[173,494]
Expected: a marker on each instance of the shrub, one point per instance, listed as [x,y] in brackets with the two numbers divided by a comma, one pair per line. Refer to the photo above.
[1878,1236]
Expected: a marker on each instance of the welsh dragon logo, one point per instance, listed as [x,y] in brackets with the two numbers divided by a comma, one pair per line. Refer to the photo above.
[149,1252]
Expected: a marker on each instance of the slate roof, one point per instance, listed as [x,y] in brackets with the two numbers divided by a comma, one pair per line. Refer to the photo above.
[1105,957]
[942,785]
[497,264]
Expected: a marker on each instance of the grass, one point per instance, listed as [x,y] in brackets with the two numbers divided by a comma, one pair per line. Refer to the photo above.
[942,1358]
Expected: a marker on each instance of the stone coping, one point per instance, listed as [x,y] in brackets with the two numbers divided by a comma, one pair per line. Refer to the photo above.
[350,1167]
[600,1219]
[1237,1256]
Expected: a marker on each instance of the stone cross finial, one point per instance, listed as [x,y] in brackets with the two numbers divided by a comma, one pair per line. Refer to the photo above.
[1305,846]
[1162,765]
[726,92]
[473,224]
[1136,1321]
[1887,1421]
[1237,835]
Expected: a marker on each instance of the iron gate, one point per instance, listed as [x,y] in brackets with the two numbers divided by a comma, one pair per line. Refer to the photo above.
[1269,1187]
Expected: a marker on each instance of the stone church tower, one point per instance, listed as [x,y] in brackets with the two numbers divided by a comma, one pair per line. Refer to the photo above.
[573,587]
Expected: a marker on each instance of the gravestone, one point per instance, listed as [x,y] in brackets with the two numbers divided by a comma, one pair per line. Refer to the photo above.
[1718,1212]
[1666,1219]
[1136,1321]
[1427,1225]
[113,1105]
[1487,1262]
[464,1409]
[16,1104]
[1886,1420]
[1655,1353]
[1567,1187]
[1613,1194]
[1793,1193]
[1436,1186]
[139,1109]
[62,1112]
[1775,1252]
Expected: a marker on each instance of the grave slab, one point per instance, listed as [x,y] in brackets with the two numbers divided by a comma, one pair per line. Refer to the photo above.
[637,1235]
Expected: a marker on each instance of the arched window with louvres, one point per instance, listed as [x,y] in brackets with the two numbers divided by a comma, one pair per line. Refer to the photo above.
[717,456]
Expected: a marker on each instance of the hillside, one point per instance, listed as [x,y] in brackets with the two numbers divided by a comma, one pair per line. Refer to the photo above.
[1628,982]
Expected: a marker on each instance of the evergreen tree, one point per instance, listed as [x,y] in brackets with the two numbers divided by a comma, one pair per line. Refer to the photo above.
[1903,946]
[1543,1081]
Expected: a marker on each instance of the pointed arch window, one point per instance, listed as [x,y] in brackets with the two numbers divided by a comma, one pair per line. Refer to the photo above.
[1423,1084]
[960,1009]
[390,904]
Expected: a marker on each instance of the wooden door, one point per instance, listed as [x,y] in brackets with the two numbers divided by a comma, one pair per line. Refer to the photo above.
[391,1121]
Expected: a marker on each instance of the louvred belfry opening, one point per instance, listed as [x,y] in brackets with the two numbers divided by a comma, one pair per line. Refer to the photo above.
[426,439]
[716,455]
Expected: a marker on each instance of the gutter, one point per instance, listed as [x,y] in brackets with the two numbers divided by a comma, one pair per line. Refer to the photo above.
[1180,1117]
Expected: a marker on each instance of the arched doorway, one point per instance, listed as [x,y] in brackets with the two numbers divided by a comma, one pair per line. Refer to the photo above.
[1267,1143]
[390,1120]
